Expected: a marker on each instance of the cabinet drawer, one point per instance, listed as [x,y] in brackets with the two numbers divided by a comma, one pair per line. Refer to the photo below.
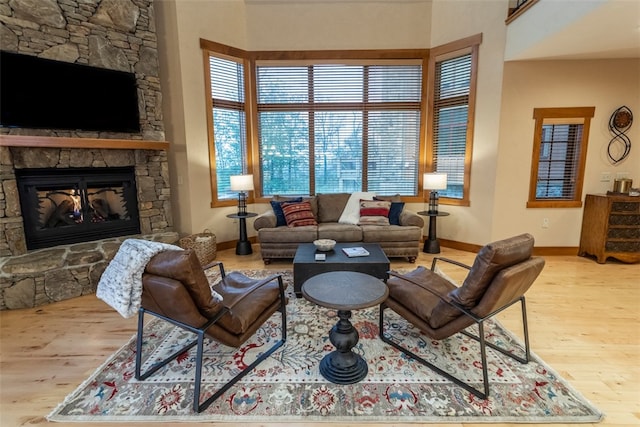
[625,207]
[624,219]
[630,246]
[624,233]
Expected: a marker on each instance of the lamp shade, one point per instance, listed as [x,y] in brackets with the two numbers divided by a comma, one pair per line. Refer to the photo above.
[434,181]
[242,183]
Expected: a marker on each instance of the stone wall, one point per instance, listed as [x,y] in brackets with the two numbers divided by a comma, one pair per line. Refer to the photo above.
[32,278]
[152,182]
[113,34]
[55,274]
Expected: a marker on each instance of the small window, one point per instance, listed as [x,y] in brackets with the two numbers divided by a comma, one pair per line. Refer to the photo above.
[559,154]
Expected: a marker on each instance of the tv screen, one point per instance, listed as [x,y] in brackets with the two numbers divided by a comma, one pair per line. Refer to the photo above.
[47,94]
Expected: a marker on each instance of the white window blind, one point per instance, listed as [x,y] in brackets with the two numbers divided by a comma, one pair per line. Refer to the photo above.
[450,121]
[229,122]
[327,128]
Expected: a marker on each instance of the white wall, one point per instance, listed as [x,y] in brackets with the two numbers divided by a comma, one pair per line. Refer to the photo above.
[605,84]
[181,25]
[304,25]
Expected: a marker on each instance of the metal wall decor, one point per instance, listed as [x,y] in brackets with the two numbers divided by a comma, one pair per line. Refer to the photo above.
[620,145]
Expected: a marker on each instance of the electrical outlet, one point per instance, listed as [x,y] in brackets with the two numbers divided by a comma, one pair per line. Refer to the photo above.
[621,175]
[605,177]
[545,222]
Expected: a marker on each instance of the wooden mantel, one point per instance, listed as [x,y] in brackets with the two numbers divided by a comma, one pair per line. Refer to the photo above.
[64,142]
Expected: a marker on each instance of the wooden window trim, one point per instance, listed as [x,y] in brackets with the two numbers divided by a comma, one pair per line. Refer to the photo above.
[540,114]
[301,58]
[467,45]
[237,55]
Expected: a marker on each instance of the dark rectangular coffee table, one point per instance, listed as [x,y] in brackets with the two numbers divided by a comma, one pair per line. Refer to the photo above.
[376,264]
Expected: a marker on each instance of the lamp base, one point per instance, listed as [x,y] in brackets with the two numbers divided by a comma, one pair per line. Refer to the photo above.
[242,203]
[431,247]
[243,248]
[433,202]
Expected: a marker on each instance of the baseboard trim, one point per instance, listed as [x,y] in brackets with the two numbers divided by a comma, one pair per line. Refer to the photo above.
[461,246]
[231,244]
[537,250]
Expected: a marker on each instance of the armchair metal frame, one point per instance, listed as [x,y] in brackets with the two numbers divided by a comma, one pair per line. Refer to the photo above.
[479,321]
[199,342]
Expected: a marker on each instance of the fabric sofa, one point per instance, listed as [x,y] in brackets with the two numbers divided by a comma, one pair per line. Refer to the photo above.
[333,216]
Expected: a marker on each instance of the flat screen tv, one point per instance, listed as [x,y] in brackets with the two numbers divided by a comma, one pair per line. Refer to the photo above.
[47,94]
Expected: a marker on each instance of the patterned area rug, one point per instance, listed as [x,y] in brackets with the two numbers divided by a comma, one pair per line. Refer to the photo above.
[288,386]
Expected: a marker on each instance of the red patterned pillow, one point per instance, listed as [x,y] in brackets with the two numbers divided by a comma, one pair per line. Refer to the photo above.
[374,212]
[298,214]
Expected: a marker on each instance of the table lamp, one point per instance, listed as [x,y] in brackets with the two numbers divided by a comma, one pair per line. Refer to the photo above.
[242,184]
[434,181]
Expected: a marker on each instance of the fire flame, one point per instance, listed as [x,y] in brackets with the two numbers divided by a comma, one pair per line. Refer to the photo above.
[75,197]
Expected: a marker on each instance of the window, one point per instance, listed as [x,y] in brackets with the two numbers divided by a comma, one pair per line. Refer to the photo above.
[559,154]
[228,130]
[309,122]
[327,128]
[452,105]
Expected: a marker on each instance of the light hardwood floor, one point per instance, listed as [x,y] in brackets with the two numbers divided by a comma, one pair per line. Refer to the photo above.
[583,321]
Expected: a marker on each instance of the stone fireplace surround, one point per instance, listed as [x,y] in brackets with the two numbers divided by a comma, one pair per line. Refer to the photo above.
[112,34]
[33,278]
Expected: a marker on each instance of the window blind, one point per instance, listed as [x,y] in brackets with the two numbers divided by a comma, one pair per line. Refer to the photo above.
[354,127]
[559,161]
[229,123]
[450,121]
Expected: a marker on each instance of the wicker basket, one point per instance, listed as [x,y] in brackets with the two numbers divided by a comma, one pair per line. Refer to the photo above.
[204,245]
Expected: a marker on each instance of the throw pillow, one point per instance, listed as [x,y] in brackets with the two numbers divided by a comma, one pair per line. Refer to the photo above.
[394,212]
[276,205]
[374,212]
[397,205]
[374,208]
[298,214]
[351,212]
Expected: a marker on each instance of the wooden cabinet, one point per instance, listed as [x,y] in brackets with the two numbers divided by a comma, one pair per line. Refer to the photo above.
[611,228]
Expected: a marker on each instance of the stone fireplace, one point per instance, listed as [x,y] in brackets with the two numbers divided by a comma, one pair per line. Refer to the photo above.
[30,278]
[113,34]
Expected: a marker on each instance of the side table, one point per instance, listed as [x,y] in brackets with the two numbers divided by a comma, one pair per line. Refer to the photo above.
[344,291]
[431,245]
[243,247]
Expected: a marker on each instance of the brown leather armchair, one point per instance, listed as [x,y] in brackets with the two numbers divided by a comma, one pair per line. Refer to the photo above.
[501,273]
[176,290]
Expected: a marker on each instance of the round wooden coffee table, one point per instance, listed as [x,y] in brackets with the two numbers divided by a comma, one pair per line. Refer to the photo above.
[344,291]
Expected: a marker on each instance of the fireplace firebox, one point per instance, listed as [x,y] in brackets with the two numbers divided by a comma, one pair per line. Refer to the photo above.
[64,206]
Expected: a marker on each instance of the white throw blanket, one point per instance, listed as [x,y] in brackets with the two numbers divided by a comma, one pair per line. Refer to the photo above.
[121,283]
